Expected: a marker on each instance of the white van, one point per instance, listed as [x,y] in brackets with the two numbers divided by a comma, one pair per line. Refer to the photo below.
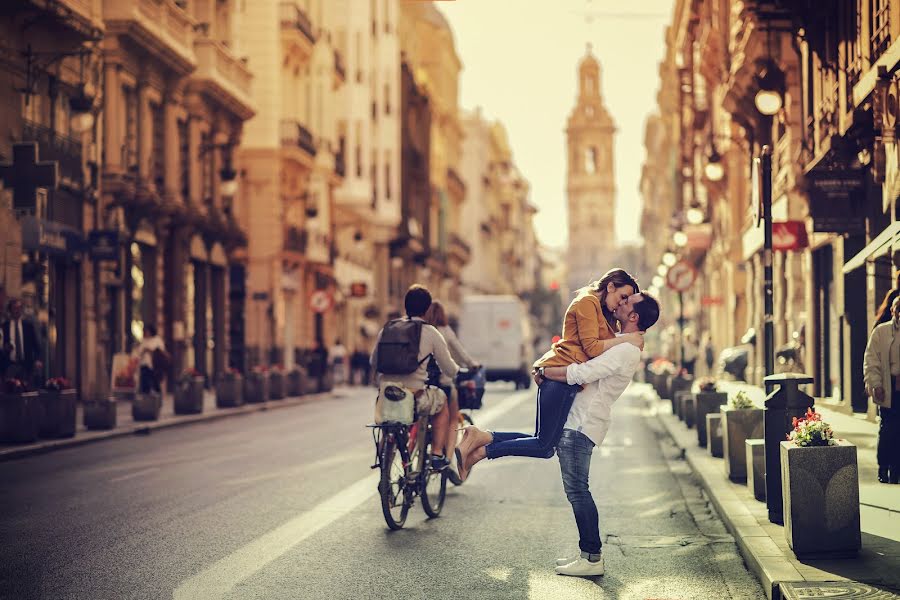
[496,331]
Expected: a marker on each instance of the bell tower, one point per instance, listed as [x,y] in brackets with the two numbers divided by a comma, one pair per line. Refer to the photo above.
[590,179]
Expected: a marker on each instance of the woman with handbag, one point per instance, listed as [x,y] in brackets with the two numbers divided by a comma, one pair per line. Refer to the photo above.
[881,372]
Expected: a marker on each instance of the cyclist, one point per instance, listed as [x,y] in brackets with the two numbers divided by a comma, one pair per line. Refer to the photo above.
[437,316]
[393,350]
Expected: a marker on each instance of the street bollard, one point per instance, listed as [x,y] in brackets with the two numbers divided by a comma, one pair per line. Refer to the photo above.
[679,383]
[782,406]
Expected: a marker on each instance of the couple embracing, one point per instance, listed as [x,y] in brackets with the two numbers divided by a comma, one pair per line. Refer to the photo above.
[578,379]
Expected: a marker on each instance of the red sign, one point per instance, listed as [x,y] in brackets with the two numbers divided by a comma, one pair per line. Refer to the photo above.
[711,300]
[320,301]
[681,276]
[789,235]
[359,289]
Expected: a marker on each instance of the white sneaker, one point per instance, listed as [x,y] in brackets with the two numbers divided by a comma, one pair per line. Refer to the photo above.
[560,562]
[582,567]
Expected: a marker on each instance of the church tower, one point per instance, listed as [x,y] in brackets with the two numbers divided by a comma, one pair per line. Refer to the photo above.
[590,180]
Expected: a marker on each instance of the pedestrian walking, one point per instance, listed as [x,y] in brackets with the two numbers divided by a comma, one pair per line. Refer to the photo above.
[151,354]
[884,312]
[690,351]
[881,372]
[339,362]
[589,330]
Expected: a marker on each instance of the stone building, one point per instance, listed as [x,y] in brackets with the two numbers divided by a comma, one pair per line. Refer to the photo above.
[50,97]
[590,177]
[293,162]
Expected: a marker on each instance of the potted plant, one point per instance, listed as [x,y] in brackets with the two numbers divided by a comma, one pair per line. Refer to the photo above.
[820,479]
[741,421]
[125,379]
[707,400]
[20,412]
[256,385]
[296,381]
[229,388]
[188,397]
[276,383]
[58,399]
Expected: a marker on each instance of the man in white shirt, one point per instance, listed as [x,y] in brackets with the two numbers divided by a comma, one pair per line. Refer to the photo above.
[605,378]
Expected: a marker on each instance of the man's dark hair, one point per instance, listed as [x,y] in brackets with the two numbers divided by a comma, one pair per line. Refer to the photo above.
[647,310]
[417,300]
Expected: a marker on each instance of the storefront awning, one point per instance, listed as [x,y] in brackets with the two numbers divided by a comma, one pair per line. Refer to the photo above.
[873,248]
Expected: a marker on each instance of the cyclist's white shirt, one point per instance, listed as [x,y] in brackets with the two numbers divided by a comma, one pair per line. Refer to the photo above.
[430,342]
[609,374]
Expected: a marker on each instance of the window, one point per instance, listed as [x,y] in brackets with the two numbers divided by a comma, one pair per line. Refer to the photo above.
[358,152]
[387,17]
[590,160]
[374,12]
[158,154]
[387,175]
[206,167]
[880,27]
[129,144]
[184,158]
[359,59]
[373,171]
[387,98]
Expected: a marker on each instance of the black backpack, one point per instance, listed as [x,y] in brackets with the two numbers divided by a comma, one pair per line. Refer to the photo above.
[398,348]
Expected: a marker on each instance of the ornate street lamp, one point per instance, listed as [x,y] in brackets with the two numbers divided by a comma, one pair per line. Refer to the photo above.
[714,170]
[669,259]
[680,238]
[82,105]
[695,215]
[770,84]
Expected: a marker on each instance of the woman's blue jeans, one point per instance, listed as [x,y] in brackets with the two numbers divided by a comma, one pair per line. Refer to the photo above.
[574,451]
[553,403]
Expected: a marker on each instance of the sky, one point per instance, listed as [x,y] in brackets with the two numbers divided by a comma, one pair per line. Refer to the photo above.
[520,61]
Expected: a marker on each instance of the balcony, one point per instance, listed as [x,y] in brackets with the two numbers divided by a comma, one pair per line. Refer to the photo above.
[295,136]
[65,151]
[295,240]
[297,31]
[159,26]
[340,165]
[223,77]
[458,249]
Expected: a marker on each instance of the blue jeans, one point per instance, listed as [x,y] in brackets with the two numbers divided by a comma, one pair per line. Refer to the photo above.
[574,451]
[553,403]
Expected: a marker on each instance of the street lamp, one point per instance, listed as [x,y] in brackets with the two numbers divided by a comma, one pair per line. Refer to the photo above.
[770,83]
[680,238]
[695,215]
[661,270]
[669,259]
[714,170]
[81,105]
[657,282]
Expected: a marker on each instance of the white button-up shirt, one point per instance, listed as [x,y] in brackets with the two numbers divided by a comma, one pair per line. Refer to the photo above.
[608,375]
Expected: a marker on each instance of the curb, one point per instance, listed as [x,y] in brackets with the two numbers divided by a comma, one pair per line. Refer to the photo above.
[144,428]
[763,556]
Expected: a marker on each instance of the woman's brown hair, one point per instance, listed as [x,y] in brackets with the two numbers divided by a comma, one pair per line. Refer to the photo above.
[436,315]
[618,277]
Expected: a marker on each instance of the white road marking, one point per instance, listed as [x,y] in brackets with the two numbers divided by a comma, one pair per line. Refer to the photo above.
[221,577]
[135,474]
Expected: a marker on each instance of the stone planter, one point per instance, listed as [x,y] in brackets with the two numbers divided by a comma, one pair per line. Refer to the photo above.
[100,414]
[678,403]
[688,412]
[229,391]
[326,381]
[821,499]
[256,387]
[714,441]
[756,468]
[707,403]
[310,385]
[188,396]
[295,383]
[58,413]
[738,426]
[146,407]
[20,416]
[276,385]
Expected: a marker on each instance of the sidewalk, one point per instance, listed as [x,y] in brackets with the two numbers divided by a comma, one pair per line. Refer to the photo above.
[763,544]
[125,425]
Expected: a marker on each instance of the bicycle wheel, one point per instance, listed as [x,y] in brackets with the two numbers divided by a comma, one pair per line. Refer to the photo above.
[392,487]
[434,487]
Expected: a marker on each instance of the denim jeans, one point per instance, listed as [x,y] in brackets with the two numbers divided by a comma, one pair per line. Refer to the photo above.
[574,451]
[553,403]
[888,453]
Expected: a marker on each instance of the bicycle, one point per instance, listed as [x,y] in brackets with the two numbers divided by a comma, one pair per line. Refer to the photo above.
[403,454]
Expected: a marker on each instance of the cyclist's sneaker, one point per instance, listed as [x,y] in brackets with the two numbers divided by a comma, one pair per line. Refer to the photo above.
[439,462]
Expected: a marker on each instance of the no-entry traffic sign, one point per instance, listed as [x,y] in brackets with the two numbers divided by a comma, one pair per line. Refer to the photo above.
[320,301]
[681,276]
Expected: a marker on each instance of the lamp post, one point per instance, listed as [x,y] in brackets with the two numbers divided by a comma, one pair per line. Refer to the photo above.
[765,160]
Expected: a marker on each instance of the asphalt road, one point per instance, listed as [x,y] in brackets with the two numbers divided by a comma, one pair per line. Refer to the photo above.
[282,505]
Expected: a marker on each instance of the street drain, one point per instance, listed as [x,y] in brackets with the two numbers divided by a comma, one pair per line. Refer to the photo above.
[835,590]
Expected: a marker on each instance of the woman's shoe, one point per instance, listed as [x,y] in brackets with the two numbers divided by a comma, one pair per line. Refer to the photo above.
[883,475]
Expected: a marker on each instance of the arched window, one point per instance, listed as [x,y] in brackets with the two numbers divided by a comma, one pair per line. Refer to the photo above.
[590,160]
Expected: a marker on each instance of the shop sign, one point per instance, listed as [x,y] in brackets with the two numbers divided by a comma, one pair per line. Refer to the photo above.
[699,236]
[836,200]
[103,244]
[789,235]
[50,237]
[711,301]
[359,289]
